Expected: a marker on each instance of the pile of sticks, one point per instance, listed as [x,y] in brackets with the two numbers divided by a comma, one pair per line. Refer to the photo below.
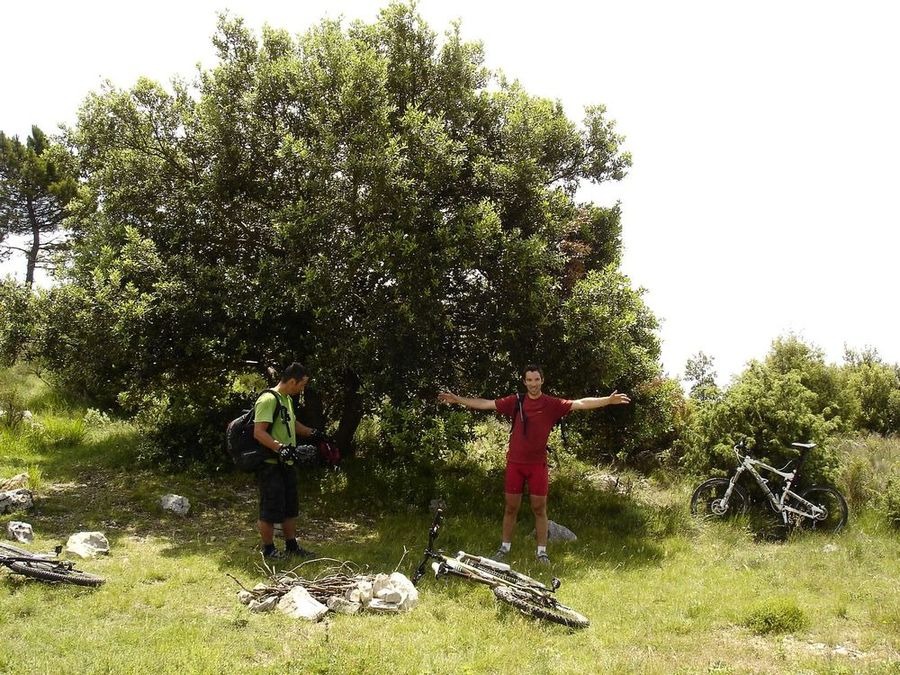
[336,579]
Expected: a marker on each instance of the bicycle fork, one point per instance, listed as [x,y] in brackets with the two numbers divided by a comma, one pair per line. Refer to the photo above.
[723,503]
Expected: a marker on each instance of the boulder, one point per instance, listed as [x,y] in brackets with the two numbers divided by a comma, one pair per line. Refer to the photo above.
[19,532]
[20,480]
[16,500]
[175,504]
[393,592]
[299,604]
[267,604]
[362,593]
[557,532]
[341,605]
[245,597]
[87,544]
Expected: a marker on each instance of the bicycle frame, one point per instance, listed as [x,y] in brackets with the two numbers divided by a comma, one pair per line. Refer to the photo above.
[462,566]
[778,503]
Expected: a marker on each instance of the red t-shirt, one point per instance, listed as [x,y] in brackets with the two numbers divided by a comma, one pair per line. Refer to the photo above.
[530,447]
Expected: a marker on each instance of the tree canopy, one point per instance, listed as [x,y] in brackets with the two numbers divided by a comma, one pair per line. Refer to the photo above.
[35,184]
[370,199]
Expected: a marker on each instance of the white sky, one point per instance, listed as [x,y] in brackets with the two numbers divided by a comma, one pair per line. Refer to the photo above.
[765,136]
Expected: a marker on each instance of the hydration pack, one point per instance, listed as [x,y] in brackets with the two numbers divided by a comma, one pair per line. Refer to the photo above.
[244,449]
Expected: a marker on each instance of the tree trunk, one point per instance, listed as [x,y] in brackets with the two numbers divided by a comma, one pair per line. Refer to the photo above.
[351,415]
[35,244]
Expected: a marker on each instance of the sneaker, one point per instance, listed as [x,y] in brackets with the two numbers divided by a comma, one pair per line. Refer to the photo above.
[500,555]
[299,552]
[274,554]
[543,559]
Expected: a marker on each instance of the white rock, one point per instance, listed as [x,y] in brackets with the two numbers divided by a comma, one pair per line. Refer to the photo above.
[383,606]
[299,604]
[390,595]
[87,544]
[380,582]
[829,548]
[405,587]
[260,587]
[557,532]
[16,500]
[27,416]
[244,597]
[19,532]
[175,504]
[364,591]
[264,605]
[341,605]
[20,480]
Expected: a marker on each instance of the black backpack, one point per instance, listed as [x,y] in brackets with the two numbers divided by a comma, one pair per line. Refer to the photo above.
[243,448]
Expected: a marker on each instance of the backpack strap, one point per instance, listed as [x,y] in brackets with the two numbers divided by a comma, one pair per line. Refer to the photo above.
[520,412]
[279,409]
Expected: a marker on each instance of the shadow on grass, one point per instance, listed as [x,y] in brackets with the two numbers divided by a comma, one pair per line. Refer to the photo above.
[354,514]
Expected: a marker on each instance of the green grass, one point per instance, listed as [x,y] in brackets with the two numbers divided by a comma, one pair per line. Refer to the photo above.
[664,593]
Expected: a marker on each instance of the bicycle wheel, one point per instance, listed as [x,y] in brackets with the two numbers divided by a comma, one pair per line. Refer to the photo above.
[706,502]
[50,571]
[550,609]
[834,506]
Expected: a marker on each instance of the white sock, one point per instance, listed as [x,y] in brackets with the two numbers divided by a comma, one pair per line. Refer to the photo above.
[542,549]
[505,546]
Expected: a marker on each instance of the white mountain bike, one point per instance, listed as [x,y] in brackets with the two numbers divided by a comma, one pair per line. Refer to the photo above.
[522,592]
[820,507]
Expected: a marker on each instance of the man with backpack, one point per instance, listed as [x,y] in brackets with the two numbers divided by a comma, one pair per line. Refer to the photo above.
[276,428]
[533,416]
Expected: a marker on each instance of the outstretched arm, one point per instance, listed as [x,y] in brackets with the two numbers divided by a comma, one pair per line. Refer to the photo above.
[614,398]
[476,403]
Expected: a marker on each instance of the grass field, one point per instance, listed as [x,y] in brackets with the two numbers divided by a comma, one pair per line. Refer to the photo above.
[664,593]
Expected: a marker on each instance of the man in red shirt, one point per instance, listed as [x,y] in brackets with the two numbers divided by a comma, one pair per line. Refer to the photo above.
[526,460]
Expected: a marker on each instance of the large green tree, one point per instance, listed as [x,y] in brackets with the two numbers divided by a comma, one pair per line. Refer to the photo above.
[370,199]
[35,185]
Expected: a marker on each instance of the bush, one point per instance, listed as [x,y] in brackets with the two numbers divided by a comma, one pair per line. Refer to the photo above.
[12,409]
[409,446]
[790,396]
[57,432]
[890,502]
[776,615]
[16,320]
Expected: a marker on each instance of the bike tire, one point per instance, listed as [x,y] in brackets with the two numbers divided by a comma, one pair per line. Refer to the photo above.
[834,504]
[48,571]
[551,611]
[709,491]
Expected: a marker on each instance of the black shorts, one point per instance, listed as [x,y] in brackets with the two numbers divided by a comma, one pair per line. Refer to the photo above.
[277,492]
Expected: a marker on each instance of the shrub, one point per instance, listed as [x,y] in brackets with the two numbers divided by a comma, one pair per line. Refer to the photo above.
[57,432]
[790,396]
[777,615]
[890,502]
[12,409]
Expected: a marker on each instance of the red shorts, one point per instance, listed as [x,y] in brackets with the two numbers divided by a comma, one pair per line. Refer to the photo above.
[536,475]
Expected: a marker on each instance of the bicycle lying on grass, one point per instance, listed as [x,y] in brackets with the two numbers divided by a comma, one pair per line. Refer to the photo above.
[522,592]
[44,567]
[820,507]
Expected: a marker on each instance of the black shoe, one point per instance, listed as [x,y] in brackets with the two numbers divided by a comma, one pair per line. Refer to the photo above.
[299,552]
[543,559]
[500,556]
[274,554]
